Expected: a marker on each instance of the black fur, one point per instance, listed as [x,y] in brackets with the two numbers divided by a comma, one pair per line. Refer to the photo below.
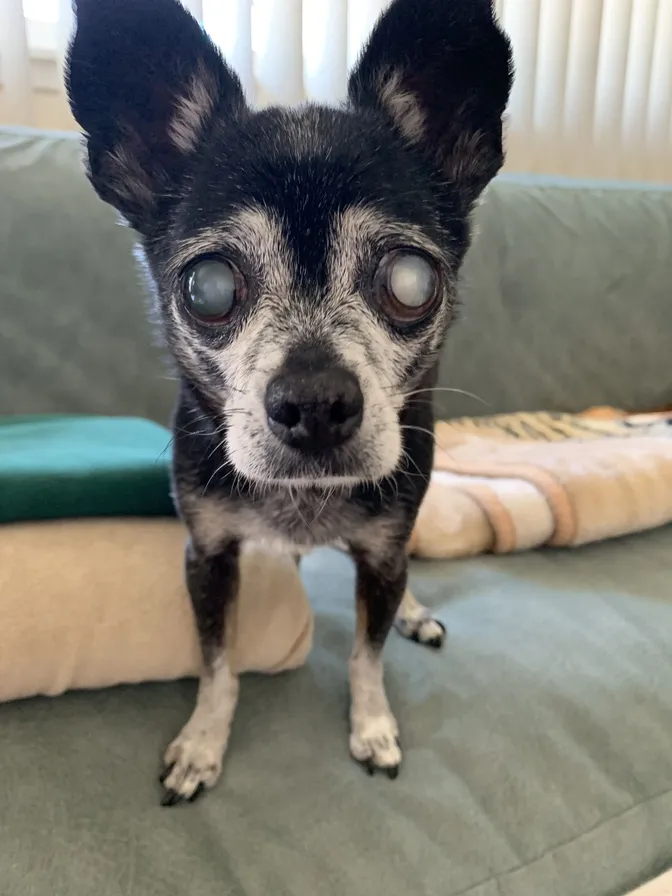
[420,137]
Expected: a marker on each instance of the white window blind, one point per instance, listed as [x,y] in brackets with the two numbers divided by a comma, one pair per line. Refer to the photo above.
[15,73]
[593,93]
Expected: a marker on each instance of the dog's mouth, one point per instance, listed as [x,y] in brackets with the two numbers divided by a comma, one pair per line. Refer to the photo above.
[270,461]
[326,468]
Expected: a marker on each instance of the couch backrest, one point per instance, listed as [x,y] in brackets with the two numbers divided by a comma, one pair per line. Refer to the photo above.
[73,326]
[567,296]
[567,299]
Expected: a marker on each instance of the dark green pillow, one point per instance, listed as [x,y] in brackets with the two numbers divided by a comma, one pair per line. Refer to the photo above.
[61,466]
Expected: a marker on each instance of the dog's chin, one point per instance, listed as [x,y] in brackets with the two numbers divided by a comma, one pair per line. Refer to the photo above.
[336,483]
[273,464]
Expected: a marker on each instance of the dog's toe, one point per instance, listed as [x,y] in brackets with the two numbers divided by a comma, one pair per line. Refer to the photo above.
[427,631]
[192,765]
[432,633]
[374,742]
[199,790]
[171,798]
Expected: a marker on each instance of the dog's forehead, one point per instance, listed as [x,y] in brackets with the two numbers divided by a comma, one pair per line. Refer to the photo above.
[306,171]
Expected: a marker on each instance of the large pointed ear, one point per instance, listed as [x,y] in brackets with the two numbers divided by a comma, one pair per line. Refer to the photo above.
[144,83]
[441,72]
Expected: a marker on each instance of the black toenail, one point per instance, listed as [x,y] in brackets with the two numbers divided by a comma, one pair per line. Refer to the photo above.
[195,795]
[393,772]
[166,772]
[171,798]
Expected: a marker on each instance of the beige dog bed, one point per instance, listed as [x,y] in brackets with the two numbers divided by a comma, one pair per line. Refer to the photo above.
[98,602]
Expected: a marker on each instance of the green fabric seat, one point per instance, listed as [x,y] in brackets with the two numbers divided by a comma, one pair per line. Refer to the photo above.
[537,753]
[59,466]
[538,758]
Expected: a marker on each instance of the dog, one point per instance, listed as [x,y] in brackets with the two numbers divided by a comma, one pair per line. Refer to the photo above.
[304,266]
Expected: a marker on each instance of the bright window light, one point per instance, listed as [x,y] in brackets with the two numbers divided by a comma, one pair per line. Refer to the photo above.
[41,10]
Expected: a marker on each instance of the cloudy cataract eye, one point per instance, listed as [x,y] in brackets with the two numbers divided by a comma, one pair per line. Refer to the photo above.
[412,280]
[211,289]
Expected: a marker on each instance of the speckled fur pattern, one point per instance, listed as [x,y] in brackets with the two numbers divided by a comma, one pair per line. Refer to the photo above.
[305,203]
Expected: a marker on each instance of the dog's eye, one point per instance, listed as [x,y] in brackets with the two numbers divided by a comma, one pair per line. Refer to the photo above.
[407,285]
[412,280]
[211,288]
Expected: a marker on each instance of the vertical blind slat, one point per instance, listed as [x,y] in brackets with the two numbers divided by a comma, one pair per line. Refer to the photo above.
[613,61]
[17,95]
[362,16]
[659,101]
[278,26]
[552,57]
[520,18]
[584,48]
[593,95]
[64,30]
[230,26]
[325,45]
[638,70]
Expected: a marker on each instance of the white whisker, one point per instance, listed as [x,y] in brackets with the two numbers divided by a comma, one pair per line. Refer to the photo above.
[217,470]
[405,395]
[295,504]
[427,432]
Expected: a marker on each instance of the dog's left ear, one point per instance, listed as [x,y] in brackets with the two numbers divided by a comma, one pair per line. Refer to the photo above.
[145,83]
[440,71]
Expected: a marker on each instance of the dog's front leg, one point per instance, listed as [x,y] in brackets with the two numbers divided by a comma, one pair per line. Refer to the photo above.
[193,761]
[374,733]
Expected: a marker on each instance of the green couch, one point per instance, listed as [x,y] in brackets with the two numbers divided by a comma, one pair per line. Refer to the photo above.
[538,744]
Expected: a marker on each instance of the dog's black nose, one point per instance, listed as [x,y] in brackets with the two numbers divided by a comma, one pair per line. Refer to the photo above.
[314,410]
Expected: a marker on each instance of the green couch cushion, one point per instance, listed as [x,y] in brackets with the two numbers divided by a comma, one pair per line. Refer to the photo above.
[74,336]
[537,753]
[566,300]
[71,466]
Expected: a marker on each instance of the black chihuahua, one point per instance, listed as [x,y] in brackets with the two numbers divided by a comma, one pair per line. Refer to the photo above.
[304,265]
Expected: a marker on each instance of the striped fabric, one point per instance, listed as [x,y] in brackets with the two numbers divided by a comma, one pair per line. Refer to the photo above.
[545,426]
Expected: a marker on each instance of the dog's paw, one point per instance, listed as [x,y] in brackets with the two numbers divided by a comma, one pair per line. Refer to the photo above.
[374,741]
[423,630]
[192,764]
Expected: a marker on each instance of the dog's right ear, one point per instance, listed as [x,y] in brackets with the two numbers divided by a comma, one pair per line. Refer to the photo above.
[144,83]
[440,72]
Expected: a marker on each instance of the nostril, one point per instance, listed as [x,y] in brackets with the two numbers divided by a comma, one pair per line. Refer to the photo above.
[345,411]
[287,414]
[314,410]
[339,413]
